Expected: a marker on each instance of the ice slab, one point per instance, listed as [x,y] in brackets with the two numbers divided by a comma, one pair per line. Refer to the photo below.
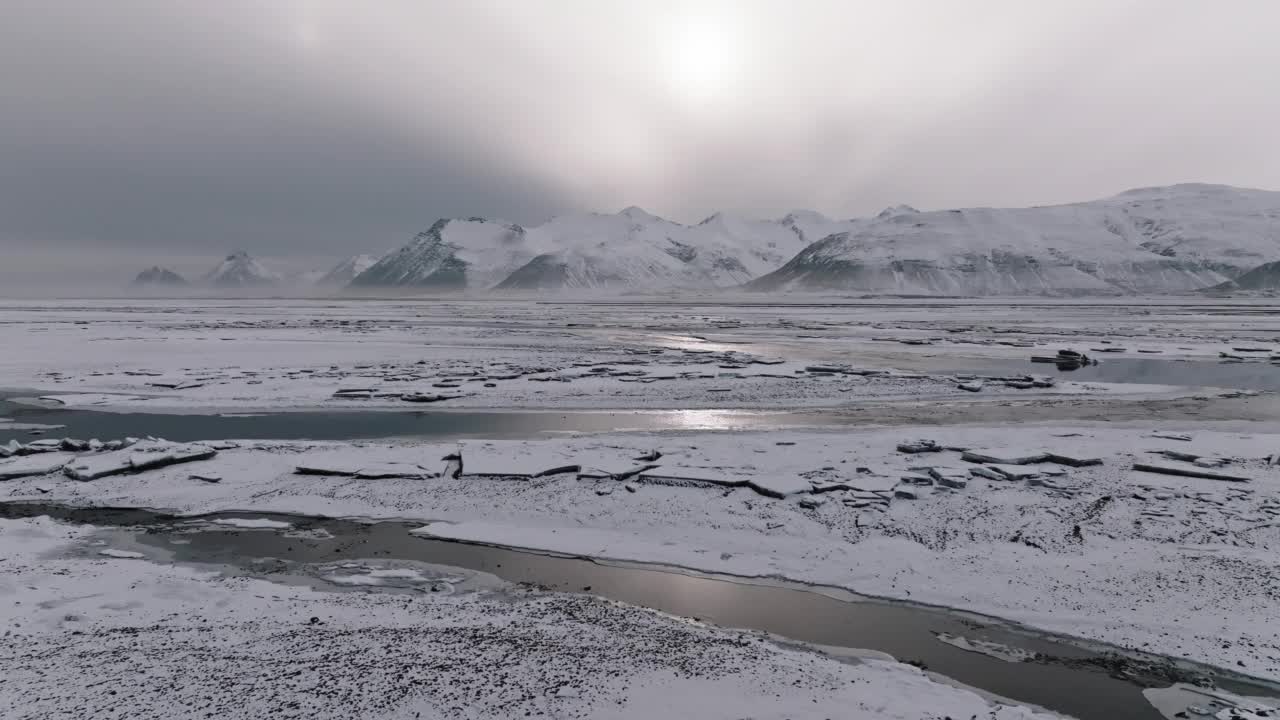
[253,523]
[394,470]
[1170,468]
[780,485]
[99,466]
[150,459]
[1074,459]
[684,473]
[1015,472]
[42,464]
[1014,456]
[122,554]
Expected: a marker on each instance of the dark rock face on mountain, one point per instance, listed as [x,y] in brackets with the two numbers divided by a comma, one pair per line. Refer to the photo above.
[1263,277]
[159,277]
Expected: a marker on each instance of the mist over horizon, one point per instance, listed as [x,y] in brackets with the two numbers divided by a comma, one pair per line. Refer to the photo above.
[143,132]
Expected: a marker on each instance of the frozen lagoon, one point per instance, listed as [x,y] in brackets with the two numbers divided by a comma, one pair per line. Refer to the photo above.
[1137,579]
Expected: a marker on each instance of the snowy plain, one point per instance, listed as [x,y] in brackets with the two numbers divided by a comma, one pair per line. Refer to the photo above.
[1181,566]
[197,644]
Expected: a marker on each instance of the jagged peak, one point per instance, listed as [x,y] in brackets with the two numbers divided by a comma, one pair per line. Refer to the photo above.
[895,210]
[796,216]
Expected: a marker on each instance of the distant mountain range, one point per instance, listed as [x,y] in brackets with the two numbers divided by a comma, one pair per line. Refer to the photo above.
[158,277]
[1152,240]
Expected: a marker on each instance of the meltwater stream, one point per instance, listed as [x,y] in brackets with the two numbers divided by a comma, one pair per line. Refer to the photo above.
[1085,681]
[377,424]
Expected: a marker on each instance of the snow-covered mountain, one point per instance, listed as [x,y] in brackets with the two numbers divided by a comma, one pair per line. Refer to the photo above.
[344,272]
[453,255]
[628,250]
[1167,239]
[1163,239]
[157,277]
[1263,277]
[239,270]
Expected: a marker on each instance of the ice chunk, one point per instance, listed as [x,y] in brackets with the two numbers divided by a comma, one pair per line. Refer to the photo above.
[169,455]
[780,485]
[1015,472]
[1073,459]
[336,467]
[253,523]
[1190,471]
[986,472]
[122,554]
[919,446]
[393,470]
[99,466]
[685,473]
[1019,456]
[42,464]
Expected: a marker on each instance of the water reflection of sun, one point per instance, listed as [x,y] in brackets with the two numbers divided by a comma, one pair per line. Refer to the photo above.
[706,419]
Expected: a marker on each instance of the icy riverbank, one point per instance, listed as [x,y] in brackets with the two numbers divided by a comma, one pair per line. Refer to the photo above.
[1182,566]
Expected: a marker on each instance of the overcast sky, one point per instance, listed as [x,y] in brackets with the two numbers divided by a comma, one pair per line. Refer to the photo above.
[187,128]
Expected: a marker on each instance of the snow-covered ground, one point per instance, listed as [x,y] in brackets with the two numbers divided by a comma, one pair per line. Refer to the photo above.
[1175,565]
[113,636]
[1183,566]
[456,353]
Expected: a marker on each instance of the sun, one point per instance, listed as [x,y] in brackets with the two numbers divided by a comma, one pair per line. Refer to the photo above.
[704,58]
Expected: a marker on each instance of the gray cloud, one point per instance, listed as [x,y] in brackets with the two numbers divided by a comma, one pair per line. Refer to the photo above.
[321,127]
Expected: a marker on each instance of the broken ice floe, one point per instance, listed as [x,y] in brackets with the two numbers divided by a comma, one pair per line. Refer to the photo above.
[253,523]
[121,554]
[996,650]
[1189,470]
[1184,700]
[364,471]
[140,457]
[42,464]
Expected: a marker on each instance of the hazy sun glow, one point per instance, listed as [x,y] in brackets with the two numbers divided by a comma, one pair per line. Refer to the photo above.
[704,57]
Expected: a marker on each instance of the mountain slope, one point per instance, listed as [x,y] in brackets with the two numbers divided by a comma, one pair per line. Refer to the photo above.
[453,255]
[1263,277]
[239,270]
[1170,239]
[628,250]
[344,272]
[157,276]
